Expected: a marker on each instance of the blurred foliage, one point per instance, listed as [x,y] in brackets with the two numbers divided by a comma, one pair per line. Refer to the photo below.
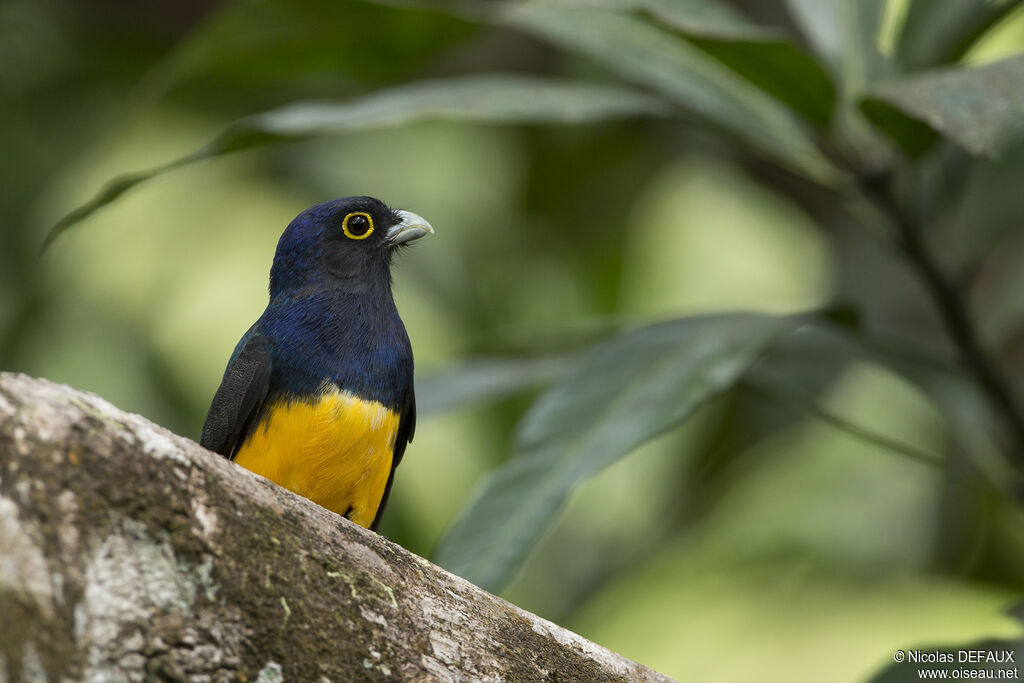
[720,334]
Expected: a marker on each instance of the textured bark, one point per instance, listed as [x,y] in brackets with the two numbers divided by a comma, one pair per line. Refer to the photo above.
[128,553]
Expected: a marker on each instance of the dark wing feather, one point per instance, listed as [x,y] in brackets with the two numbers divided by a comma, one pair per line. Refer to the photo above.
[237,403]
[406,428]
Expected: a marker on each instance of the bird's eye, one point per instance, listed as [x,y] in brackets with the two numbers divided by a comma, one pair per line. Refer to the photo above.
[357,226]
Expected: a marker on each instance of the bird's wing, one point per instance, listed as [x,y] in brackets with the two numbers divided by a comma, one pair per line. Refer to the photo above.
[406,428]
[237,403]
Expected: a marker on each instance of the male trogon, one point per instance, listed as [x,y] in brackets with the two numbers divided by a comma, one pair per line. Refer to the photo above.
[318,394]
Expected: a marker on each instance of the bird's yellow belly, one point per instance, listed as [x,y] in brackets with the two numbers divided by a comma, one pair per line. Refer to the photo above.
[335,451]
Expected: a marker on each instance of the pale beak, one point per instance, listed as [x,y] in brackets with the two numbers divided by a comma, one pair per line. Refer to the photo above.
[412,227]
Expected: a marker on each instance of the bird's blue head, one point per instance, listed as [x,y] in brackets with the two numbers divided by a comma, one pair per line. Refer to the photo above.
[345,244]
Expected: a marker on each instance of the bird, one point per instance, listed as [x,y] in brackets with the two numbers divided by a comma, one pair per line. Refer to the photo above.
[318,394]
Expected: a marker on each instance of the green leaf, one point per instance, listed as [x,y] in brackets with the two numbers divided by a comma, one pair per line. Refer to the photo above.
[912,136]
[763,55]
[301,48]
[648,55]
[975,208]
[819,20]
[981,109]
[802,365]
[968,413]
[480,99]
[628,390]
[941,32]
[845,33]
[824,349]
[482,380]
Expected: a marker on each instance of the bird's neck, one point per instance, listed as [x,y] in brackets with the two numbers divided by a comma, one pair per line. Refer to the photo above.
[354,302]
[300,269]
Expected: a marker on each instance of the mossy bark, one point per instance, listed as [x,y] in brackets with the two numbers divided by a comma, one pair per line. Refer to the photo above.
[128,553]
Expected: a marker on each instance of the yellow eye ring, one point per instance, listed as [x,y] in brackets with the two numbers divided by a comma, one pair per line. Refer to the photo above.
[349,233]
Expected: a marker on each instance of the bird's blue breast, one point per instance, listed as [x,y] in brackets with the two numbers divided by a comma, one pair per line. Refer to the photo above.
[351,341]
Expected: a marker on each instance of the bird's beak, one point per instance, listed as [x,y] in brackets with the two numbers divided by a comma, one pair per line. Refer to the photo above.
[411,228]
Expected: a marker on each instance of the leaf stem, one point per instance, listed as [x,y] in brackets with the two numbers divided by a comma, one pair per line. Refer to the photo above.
[951,308]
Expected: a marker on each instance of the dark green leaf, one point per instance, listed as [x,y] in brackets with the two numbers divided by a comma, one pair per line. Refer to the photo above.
[976,206]
[763,55]
[967,411]
[821,23]
[628,390]
[709,18]
[845,33]
[912,136]
[111,191]
[485,379]
[245,51]
[941,32]
[484,99]
[802,365]
[780,69]
[981,109]
[823,350]
[645,54]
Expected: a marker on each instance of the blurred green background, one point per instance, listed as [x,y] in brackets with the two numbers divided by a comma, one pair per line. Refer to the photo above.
[762,539]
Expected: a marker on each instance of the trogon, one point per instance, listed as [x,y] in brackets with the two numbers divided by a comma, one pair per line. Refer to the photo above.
[318,394]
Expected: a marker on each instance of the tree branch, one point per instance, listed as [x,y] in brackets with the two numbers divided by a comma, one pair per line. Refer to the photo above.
[952,311]
[129,553]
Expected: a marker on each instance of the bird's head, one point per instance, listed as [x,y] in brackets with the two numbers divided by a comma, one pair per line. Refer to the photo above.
[344,243]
